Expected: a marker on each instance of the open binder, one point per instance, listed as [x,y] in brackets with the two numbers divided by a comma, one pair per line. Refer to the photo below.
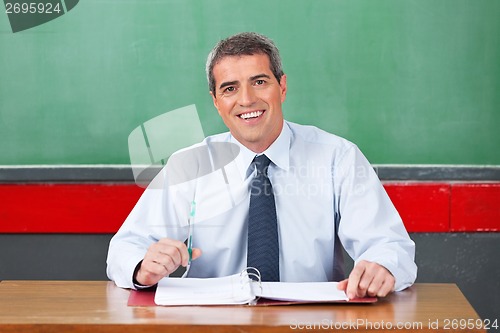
[246,288]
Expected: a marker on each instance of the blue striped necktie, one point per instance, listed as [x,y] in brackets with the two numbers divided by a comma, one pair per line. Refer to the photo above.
[263,248]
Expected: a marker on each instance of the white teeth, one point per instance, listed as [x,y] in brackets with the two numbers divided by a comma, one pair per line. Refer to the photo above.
[253,114]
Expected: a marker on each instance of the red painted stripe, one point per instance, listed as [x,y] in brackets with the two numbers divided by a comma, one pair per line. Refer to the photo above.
[475,207]
[424,207]
[102,208]
[65,208]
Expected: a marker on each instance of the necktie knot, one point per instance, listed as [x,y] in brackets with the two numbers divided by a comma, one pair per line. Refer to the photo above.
[262,163]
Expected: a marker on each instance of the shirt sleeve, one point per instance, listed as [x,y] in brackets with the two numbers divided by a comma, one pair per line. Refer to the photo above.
[154,216]
[370,227]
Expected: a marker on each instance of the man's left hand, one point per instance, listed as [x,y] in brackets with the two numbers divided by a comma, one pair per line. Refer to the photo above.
[368,279]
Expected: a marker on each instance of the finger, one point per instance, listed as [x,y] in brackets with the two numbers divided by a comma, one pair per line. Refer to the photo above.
[170,257]
[168,261]
[156,263]
[387,287]
[384,290]
[365,282]
[376,284]
[381,276]
[154,268]
[354,279]
[150,273]
[165,253]
[376,281]
[177,250]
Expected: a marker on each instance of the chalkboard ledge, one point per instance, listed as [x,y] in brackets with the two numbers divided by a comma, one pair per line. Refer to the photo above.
[118,173]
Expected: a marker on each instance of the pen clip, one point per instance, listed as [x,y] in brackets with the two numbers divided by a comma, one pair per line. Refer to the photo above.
[193,210]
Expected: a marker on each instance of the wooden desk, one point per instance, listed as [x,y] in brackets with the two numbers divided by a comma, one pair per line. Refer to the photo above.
[87,306]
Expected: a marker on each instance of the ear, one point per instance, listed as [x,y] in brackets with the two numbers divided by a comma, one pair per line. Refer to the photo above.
[283,87]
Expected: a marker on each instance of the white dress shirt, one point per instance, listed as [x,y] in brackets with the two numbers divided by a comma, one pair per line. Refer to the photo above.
[327,196]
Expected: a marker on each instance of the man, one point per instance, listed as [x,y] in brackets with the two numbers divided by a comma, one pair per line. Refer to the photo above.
[326,195]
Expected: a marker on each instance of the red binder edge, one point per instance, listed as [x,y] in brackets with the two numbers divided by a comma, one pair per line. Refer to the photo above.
[147,298]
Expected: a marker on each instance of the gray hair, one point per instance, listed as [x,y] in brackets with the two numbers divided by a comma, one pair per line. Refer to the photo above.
[246,43]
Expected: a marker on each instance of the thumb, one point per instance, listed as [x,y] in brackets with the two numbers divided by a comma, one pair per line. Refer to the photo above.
[196,253]
[342,285]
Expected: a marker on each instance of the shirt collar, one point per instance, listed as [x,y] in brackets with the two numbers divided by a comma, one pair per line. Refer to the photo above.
[278,152]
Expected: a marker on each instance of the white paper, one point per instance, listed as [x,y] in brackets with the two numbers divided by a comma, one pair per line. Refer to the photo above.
[214,291]
[300,291]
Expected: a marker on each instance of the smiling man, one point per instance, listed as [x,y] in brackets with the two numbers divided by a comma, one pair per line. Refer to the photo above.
[321,195]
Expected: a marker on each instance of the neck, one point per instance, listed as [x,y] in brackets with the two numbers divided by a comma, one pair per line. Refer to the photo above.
[261,145]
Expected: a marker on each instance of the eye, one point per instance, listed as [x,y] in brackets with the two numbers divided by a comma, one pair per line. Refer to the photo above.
[259,82]
[228,91]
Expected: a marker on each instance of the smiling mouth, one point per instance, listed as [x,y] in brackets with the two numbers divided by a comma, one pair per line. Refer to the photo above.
[251,115]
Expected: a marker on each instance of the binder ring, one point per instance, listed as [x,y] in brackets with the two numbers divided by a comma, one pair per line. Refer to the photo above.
[252,275]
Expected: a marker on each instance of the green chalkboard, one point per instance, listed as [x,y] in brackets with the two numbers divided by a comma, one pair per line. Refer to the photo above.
[409,81]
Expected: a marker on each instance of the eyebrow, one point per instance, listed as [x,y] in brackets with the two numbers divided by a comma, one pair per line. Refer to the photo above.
[229,83]
[259,76]
[252,78]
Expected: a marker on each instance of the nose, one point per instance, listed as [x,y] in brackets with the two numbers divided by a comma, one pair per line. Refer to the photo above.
[247,96]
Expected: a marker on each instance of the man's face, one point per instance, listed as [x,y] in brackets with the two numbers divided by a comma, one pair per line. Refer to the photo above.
[248,98]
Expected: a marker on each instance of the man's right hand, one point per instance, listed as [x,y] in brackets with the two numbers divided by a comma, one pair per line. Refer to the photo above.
[162,259]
